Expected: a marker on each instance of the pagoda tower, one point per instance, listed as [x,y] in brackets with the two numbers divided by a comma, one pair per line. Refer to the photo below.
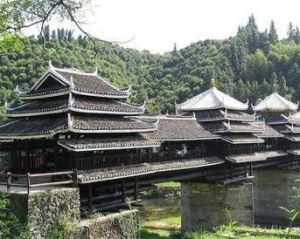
[281,114]
[68,111]
[227,117]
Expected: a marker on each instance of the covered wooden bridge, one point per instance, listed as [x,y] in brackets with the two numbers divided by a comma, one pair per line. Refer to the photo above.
[76,129]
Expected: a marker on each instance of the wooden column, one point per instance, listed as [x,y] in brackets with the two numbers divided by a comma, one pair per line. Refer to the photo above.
[27,157]
[136,188]
[123,190]
[251,169]
[90,196]
[168,151]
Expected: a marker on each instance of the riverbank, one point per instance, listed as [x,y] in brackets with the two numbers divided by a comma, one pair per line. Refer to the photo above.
[161,219]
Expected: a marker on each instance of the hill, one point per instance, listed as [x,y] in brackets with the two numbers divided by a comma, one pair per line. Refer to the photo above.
[247,66]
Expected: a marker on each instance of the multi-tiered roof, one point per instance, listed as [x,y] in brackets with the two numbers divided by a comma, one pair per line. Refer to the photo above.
[69,102]
[280,114]
[224,115]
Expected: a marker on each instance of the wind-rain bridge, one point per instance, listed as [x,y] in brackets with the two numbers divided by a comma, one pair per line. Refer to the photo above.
[75,129]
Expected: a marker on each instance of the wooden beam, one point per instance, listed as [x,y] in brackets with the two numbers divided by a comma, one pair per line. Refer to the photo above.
[123,191]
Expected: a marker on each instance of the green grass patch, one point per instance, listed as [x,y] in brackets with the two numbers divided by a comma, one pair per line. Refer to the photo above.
[172,185]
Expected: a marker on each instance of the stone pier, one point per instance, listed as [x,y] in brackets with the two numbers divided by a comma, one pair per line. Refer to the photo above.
[43,210]
[274,189]
[203,205]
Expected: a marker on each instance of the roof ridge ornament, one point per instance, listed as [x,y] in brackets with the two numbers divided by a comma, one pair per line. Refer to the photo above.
[51,67]
[212,83]
[7,106]
[96,71]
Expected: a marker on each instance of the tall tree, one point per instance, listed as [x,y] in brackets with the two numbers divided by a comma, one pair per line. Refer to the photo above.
[291,32]
[273,37]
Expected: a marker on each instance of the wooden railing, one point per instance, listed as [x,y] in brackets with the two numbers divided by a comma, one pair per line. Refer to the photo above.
[251,149]
[30,181]
[101,161]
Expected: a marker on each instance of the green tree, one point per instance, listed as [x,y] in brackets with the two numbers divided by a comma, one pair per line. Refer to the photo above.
[273,37]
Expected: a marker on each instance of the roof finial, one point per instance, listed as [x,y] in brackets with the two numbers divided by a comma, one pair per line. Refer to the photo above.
[212,83]
[96,71]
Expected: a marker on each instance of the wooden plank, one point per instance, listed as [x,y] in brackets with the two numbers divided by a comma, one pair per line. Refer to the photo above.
[53,183]
[51,174]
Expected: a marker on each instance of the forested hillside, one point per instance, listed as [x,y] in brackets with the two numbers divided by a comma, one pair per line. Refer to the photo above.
[247,65]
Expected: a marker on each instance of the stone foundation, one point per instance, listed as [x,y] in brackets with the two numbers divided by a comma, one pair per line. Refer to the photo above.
[203,205]
[123,225]
[273,189]
[43,210]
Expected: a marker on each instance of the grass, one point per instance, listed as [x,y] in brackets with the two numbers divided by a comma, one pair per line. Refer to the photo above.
[160,234]
[168,223]
[169,185]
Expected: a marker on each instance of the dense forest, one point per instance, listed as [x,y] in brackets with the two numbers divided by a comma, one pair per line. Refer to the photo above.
[248,66]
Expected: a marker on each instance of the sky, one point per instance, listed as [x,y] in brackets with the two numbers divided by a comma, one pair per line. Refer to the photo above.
[155,25]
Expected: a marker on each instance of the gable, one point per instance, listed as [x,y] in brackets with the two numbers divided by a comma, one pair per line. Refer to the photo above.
[49,81]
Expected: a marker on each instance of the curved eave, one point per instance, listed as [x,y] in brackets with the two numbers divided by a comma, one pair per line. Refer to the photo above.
[78,110]
[94,94]
[272,110]
[28,114]
[106,148]
[77,92]
[44,96]
[107,131]
[225,118]
[212,108]
[259,141]
[33,136]
[192,139]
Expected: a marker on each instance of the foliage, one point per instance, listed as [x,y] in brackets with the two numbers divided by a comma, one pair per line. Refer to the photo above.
[61,230]
[10,226]
[292,214]
[244,66]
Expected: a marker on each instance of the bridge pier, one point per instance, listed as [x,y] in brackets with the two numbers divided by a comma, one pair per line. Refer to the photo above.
[273,189]
[203,205]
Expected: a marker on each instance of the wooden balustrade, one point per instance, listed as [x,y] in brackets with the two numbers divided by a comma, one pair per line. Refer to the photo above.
[102,161]
[30,181]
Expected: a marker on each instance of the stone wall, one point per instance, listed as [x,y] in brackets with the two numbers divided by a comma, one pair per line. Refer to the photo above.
[44,209]
[203,205]
[123,225]
[273,189]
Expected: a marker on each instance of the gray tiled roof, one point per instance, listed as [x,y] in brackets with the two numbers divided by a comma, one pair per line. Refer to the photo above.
[91,84]
[108,143]
[81,104]
[269,132]
[242,139]
[172,128]
[256,157]
[37,127]
[98,175]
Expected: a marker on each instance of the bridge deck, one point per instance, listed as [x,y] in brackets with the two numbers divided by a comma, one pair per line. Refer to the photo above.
[107,174]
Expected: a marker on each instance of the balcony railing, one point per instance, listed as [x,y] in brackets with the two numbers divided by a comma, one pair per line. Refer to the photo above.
[30,181]
[101,161]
